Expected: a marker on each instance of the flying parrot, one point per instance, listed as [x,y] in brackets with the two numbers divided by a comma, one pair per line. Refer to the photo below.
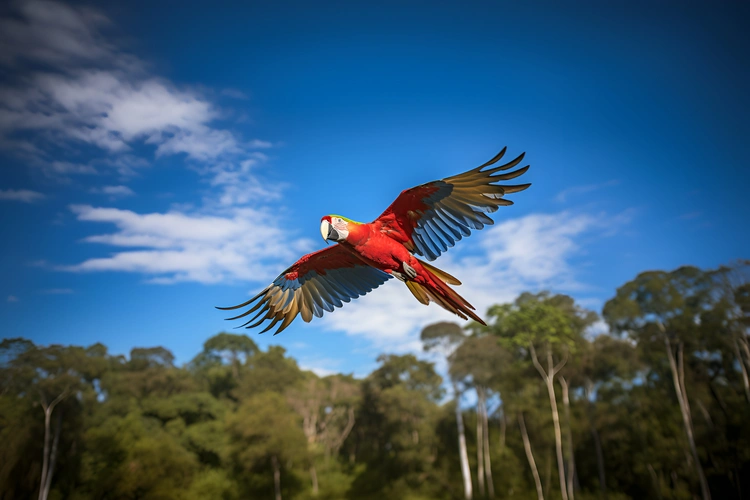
[423,221]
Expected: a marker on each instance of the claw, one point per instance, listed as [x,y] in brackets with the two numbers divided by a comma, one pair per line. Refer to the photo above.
[398,275]
[410,272]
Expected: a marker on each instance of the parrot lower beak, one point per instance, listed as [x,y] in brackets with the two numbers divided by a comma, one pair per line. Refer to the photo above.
[328,232]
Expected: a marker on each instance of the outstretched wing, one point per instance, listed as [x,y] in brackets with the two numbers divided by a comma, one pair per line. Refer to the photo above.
[317,282]
[429,218]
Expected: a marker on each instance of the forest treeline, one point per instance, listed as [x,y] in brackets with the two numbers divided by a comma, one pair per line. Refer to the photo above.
[534,405]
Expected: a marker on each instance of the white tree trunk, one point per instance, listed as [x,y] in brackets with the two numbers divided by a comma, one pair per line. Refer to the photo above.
[276,477]
[53,455]
[549,378]
[314,477]
[462,453]
[480,443]
[569,436]
[530,456]
[46,472]
[678,379]
[486,444]
[743,369]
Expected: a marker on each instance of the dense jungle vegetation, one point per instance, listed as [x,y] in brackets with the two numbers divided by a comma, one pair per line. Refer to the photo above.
[536,405]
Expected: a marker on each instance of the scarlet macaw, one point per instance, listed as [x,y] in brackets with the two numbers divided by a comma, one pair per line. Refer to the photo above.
[424,220]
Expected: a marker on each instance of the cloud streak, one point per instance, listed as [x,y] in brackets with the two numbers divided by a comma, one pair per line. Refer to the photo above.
[175,246]
[23,195]
[72,87]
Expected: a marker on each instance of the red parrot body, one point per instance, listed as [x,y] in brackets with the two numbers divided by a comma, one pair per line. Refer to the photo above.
[381,250]
[425,220]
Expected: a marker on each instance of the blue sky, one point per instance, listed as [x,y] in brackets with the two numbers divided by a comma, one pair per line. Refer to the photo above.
[157,160]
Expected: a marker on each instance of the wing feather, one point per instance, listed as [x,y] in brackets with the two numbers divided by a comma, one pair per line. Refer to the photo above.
[317,283]
[431,218]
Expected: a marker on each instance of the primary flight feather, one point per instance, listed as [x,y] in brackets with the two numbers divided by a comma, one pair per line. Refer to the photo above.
[424,220]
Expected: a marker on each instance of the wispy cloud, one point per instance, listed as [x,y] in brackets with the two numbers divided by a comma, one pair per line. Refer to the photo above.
[574,191]
[114,191]
[72,85]
[234,93]
[12,298]
[177,246]
[530,253]
[322,367]
[23,195]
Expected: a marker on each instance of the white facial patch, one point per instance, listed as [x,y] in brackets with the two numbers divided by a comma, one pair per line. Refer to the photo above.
[341,226]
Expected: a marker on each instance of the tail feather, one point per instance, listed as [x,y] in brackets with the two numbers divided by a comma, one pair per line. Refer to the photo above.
[440,273]
[418,291]
[442,294]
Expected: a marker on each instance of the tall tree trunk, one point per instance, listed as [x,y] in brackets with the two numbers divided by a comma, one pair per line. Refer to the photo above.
[314,477]
[53,454]
[345,433]
[462,452]
[743,369]
[503,427]
[276,477]
[597,441]
[48,409]
[486,444]
[547,470]
[568,436]
[480,443]
[530,456]
[678,379]
[549,378]
[655,479]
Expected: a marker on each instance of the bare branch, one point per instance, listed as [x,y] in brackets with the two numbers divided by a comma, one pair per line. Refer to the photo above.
[537,365]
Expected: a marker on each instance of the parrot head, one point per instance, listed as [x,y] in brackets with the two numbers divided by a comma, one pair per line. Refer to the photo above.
[334,228]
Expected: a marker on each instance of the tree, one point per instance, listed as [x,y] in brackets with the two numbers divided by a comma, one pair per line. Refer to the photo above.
[266,436]
[661,306]
[446,337]
[327,407]
[232,349]
[395,437]
[555,325]
[480,360]
[602,362]
[49,375]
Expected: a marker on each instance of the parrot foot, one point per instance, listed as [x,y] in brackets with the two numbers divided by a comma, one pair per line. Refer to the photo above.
[398,276]
[410,272]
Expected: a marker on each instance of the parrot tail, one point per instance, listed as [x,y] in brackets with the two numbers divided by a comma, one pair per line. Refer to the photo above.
[438,291]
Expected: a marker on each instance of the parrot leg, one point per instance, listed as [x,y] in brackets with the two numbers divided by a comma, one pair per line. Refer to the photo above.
[410,272]
[399,276]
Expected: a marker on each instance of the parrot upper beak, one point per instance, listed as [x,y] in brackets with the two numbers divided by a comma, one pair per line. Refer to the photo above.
[328,232]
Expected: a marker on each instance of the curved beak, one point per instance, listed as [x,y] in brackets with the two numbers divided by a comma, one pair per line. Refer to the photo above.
[328,232]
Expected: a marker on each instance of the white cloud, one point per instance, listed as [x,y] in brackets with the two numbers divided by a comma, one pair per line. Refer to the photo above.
[65,167]
[52,33]
[23,195]
[530,253]
[234,94]
[71,86]
[114,191]
[177,246]
[322,367]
